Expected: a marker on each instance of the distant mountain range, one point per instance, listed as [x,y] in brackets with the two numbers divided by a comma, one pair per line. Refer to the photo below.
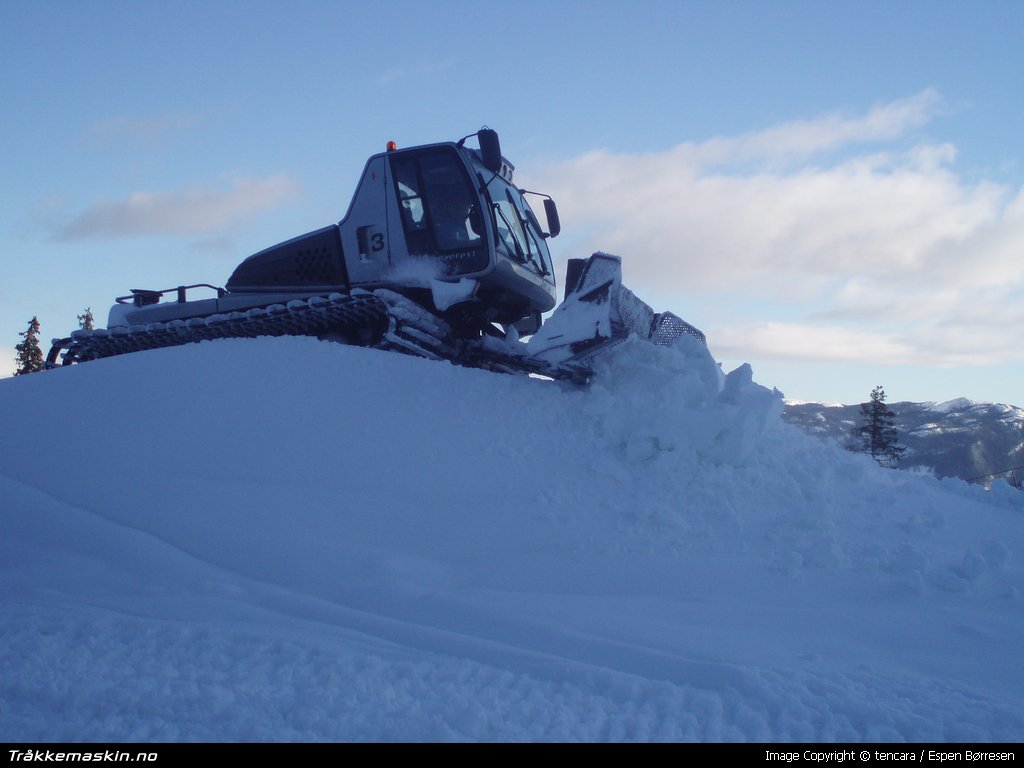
[977,442]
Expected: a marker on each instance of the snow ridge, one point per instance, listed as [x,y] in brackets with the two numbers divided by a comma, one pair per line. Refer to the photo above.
[285,539]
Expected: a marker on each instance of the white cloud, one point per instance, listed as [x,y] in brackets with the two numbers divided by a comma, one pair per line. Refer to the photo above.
[7,364]
[880,250]
[141,128]
[147,131]
[796,342]
[415,71]
[803,138]
[941,346]
[191,211]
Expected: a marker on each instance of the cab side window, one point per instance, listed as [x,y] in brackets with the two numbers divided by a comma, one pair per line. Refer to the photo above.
[410,197]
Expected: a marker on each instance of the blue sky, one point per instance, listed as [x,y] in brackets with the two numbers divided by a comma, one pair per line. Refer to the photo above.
[831,191]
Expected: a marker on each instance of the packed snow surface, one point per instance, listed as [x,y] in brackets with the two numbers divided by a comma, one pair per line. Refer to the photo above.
[286,539]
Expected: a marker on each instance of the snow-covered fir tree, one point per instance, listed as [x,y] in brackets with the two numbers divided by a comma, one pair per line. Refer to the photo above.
[29,356]
[85,320]
[878,435]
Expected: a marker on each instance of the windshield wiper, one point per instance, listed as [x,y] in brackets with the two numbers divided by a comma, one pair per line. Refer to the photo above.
[511,232]
[531,232]
[532,254]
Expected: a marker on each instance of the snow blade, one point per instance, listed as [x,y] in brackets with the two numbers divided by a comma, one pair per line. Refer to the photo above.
[598,313]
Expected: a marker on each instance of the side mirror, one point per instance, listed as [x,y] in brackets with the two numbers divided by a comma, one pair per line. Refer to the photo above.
[551,211]
[490,149]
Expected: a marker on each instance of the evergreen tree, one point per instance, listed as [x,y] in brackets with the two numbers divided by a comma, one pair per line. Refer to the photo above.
[878,434]
[85,319]
[29,357]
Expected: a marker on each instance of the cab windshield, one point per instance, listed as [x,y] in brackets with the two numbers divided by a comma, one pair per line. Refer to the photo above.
[519,234]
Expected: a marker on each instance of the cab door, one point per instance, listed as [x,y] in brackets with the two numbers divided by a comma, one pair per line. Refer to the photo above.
[441,216]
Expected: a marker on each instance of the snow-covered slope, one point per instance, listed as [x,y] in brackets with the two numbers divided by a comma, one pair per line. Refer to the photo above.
[283,539]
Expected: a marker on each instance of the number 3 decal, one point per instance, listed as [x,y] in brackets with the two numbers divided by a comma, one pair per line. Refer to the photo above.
[377,242]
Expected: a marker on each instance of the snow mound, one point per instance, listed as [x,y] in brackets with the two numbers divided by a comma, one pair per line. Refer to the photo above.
[284,539]
[650,400]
